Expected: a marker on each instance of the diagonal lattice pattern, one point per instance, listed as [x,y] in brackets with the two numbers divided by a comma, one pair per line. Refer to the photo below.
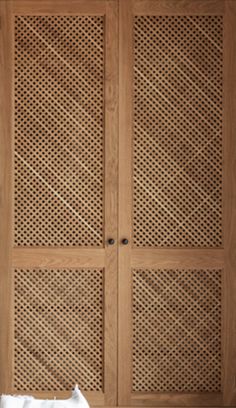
[59,77]
[178,131]
[177,330]
[58,329]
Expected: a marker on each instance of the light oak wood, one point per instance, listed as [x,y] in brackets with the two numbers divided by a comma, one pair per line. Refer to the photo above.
[6,117]
[125,199]
[47,7]
[229,288]
[181,7]
[162,406]
[174,258]
[57,258]
[119,260]
[111,203]
[176,399]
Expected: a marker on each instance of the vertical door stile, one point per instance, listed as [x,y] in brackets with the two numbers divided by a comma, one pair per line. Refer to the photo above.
[125,199]
[111,200]
[6,202]
[229,283]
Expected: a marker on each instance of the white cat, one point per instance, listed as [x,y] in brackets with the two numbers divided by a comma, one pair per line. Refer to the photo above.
[77,400]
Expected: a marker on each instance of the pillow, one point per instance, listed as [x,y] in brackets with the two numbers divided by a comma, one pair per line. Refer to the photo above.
[77,400]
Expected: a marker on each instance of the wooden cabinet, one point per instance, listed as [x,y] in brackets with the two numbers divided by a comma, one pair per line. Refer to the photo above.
[118,229]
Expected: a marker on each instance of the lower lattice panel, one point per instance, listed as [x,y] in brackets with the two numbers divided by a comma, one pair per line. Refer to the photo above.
[177,330]
[58,329]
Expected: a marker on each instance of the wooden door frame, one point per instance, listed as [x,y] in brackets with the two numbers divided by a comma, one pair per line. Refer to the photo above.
[6,224]
[104,257]
[229,148]
[125,198]
[157,258]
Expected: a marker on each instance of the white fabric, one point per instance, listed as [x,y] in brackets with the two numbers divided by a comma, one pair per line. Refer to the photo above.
[77,400]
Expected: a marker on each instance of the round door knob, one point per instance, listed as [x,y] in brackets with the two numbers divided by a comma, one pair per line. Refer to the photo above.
[125,241]
[111,241]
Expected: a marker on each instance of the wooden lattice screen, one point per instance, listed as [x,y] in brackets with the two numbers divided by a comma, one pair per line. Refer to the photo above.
[177,196]
[178,131]
[59,69]
[58,329]
[59,201]
[177,330]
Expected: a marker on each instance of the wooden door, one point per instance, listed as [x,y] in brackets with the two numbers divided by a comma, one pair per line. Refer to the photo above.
[59,198]
[177,200]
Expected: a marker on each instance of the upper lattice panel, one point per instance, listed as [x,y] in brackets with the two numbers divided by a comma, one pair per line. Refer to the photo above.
[59,77]
[178,131]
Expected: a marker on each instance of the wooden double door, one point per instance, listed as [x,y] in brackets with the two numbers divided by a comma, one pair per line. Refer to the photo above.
[118,197]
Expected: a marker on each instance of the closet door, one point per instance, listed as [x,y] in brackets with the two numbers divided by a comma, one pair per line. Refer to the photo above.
[59,198]
[177,200]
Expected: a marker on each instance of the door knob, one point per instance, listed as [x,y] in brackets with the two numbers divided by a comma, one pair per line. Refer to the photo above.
[125,241]
[111,241]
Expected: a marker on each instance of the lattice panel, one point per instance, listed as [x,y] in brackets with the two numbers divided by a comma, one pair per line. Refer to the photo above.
[59,78]
[177,330]
[58,324]
[178,131]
